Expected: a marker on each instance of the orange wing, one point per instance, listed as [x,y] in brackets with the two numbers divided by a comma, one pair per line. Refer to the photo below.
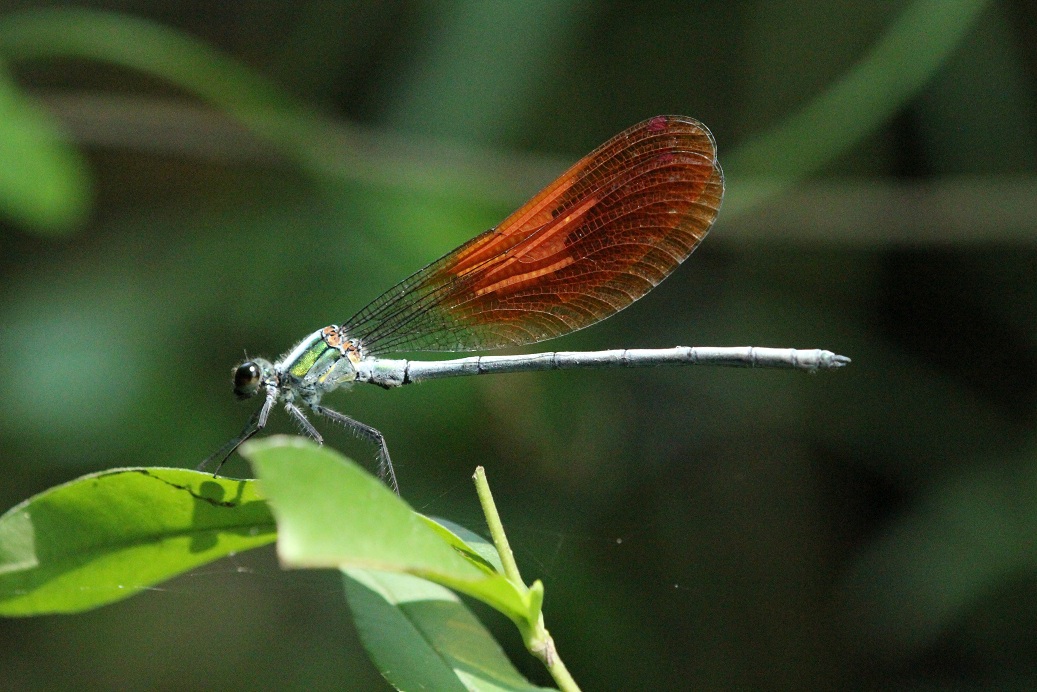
[591,243]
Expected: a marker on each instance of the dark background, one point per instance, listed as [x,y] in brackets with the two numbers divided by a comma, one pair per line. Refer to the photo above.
[695,528]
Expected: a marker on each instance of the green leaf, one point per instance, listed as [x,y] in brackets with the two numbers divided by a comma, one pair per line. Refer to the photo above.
[468,543]
[44,183]
[332,513]
[421,636]
[109,535]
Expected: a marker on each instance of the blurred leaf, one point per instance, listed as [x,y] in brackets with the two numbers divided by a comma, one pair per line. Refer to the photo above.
[475,82]
[139,44]
[897,66]
[107,536]
[971,532]
[44,183]
[421,636]
[356,521]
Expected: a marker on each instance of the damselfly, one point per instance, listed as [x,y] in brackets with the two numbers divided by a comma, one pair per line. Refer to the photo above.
[588,245]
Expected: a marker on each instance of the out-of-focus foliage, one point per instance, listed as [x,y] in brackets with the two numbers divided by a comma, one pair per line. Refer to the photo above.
[43,182]
[868,528]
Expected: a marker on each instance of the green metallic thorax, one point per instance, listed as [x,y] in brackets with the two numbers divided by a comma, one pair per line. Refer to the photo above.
[319,361]
[316,354]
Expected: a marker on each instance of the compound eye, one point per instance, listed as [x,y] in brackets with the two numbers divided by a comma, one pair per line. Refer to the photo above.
[247,377]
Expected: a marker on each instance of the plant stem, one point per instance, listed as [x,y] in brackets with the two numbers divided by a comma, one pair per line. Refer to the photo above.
[500,540]
[536,637]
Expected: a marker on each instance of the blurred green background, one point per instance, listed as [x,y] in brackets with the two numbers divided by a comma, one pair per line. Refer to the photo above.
[185,181]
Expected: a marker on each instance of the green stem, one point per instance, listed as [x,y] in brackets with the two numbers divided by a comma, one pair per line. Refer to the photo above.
[536,637]
[500,540]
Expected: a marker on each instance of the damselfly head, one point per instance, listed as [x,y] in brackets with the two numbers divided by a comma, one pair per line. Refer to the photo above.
[249,376]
